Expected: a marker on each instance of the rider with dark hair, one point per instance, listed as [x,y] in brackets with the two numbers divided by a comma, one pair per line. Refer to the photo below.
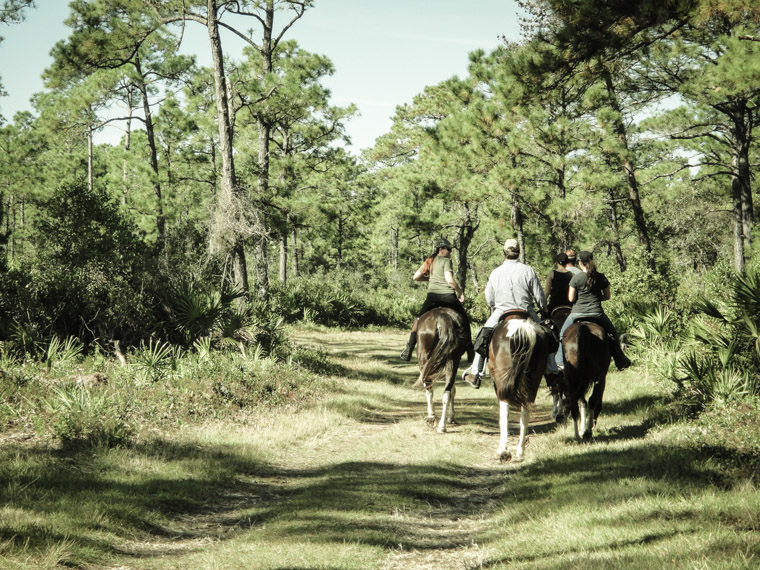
[558,283]
[587,290]
[571,260]
[443,291]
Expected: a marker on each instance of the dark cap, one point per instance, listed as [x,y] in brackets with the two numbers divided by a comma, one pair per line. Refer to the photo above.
[443,242]
[561,258]
[585,256]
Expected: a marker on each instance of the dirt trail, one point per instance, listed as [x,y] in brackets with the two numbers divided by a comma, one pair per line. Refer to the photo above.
[450,528]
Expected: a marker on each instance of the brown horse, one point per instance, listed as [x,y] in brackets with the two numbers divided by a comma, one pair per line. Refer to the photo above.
[517,361]
[586,349]
[442,339]
[558,316]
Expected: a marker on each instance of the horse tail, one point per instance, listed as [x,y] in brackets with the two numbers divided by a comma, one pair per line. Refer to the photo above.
[589,369]
[439,363]
[522,342]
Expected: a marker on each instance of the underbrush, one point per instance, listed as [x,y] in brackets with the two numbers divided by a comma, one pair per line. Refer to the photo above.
[728,435]
[708,353]
[344,299]
[94,401]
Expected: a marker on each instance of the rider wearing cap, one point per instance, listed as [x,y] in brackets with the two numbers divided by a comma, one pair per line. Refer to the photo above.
[512,285]
[443,291]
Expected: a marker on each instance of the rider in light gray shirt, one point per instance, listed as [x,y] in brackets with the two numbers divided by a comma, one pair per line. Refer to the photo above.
[512,285]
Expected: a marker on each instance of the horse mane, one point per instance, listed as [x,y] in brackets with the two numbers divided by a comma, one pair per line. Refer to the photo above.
[522,341]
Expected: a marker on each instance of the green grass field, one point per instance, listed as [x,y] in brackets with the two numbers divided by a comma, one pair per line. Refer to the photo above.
[354,479]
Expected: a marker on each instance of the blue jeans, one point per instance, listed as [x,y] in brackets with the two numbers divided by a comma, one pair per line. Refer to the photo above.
[571,318]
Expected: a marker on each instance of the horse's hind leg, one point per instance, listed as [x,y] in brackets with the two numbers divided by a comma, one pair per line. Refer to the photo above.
[444,411]
[595,402]
[524,423]
[430,419]
[502,452]
[575,413]
[451,419]
[586,420]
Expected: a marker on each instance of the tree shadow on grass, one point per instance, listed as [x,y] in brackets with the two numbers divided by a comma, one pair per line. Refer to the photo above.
[189,492]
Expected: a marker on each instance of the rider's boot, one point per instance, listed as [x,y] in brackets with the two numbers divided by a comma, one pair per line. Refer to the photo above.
[406,354]
[474,374]
[621,360]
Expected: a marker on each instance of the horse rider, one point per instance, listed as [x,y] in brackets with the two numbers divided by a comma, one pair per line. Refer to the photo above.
[557,283]
[587,291]
[571,259]
[512,285]
[443,291]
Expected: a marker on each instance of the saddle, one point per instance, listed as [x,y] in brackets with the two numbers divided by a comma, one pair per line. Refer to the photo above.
[514,314]
[593,320]
[560,310]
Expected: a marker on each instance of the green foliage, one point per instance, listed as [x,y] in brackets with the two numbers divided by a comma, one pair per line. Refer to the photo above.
[715,359]
[729,435]
[154,361]
[90,418]
[343,299]
[63,353]
[195,310]
[636,289]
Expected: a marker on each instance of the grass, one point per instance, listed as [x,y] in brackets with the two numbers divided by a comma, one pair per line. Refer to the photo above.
[354,479]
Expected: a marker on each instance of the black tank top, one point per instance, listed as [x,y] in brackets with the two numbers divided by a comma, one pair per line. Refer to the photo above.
[559,289]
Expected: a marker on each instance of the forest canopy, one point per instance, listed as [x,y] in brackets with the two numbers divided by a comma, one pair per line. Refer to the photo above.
[622,128]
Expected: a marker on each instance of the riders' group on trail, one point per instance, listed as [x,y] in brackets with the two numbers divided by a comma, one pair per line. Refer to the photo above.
[570,294]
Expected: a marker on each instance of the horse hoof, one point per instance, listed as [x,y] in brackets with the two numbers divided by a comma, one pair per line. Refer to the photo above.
[453,423]
[560,418]
[518,458]
[503,456]
[586,436]
[441,430]
[431,421]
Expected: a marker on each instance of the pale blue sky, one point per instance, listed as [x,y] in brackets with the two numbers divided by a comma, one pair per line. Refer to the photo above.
[384,51]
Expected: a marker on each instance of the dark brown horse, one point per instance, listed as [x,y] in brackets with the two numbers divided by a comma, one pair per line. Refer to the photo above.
[442,339]
[558,316]
[517,361]
[586,349]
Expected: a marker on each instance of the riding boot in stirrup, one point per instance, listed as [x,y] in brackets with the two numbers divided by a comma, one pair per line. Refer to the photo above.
[406,354]
[621,360]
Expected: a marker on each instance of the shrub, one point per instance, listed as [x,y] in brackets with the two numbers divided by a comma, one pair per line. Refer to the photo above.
[81,417]
[342,299]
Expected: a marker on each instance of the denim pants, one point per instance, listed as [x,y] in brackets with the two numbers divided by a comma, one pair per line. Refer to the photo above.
[571,318]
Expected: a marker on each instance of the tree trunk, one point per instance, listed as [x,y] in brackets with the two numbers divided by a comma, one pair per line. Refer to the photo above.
[228,187]
[741,191]
[127,146]
[394,247]
[284,255]
[265,135]
[90,161]
[465,233]
[296,255]
[149,132]
[736,199]
[615,231]
[474,277]
[629,169]
[517,224]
